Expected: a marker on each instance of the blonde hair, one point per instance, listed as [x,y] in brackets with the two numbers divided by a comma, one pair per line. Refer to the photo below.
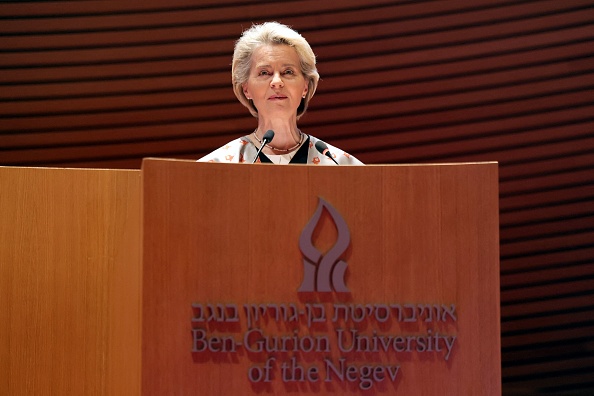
[266,34]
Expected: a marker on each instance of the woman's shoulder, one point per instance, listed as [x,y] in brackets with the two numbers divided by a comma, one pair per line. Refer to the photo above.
[235,151]
[341,156]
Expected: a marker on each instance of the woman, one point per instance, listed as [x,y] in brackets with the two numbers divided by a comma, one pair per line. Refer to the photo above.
[274,75]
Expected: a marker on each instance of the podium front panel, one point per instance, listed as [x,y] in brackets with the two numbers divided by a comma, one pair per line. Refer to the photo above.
[320,280]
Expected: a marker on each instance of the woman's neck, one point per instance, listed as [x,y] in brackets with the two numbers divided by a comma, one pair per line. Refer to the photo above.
[286,133]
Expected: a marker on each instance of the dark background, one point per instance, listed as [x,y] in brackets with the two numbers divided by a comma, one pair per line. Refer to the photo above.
[103,84]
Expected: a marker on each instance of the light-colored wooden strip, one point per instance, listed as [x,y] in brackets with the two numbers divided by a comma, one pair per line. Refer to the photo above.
[583,207]
[535,325]
[565,384]
[559,226]
[538,308]
[548,198]
[554,181]
[560,365]
[544,260]
[576,239]
[512,281]
[561,288]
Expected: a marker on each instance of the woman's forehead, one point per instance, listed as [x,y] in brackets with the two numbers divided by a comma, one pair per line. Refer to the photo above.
[276,53]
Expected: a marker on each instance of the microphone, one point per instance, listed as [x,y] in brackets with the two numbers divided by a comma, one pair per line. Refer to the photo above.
[323,149]
[267,138]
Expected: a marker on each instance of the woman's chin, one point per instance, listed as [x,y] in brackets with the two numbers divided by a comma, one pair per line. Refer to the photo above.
[278,111]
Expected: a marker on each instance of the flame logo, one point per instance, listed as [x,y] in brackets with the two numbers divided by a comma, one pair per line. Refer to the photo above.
[324,273]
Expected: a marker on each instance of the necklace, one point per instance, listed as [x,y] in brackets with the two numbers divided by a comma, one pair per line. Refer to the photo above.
[282,150]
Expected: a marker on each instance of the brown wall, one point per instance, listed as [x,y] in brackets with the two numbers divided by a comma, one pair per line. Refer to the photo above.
[104,84]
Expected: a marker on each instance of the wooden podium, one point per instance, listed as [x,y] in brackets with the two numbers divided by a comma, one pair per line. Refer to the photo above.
[226,309]
[252,280]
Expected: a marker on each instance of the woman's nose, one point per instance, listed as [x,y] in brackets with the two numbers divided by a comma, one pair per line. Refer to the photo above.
[276,81]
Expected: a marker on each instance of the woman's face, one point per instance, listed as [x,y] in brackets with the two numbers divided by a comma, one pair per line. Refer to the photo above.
[276,84]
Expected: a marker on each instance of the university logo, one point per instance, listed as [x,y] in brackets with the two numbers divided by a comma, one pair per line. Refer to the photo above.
[324,273]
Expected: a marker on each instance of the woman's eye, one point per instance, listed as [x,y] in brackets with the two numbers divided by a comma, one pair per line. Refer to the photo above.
[289,71]
[263,73]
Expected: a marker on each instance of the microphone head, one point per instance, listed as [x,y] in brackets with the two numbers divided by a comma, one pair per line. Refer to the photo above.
[268,136]
[321,147]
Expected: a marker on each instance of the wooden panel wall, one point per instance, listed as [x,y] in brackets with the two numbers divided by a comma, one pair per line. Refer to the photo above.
[103,84]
